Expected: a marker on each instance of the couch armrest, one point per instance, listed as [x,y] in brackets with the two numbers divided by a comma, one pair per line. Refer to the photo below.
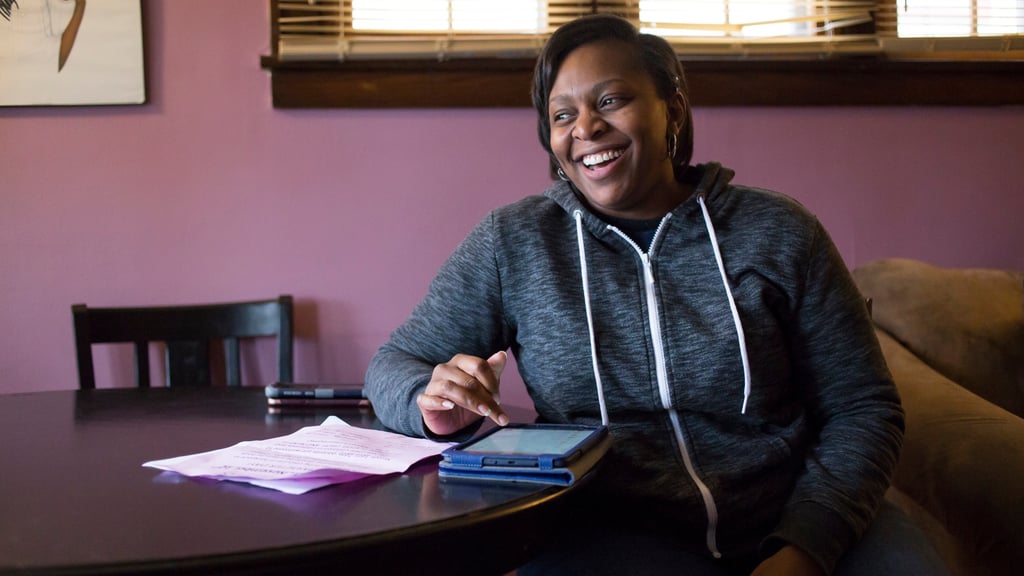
[968,324]
[962,460]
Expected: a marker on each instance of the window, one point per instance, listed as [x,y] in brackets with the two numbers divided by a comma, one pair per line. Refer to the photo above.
[954,29]
[425,53]
[507,16]
[960,18]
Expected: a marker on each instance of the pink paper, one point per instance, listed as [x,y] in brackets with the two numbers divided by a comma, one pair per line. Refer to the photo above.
[310,458]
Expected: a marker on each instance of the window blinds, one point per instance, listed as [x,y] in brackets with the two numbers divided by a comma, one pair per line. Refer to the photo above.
[442,29]
[733,28]
[972,29]
[953,18]
[449,29]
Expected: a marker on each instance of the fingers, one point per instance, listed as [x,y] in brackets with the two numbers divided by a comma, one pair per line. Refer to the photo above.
[471,383]
[497,363]
[465,387]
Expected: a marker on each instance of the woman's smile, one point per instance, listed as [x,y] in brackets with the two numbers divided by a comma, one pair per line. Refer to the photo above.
[594,160]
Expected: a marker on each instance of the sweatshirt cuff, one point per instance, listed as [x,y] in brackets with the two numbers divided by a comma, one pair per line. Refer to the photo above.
[814,529]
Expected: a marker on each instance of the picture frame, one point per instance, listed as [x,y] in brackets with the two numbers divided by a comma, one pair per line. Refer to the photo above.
[71,53]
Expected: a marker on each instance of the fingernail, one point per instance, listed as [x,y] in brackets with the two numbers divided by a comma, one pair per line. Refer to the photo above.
[484,410]
[503,420]
[448,404]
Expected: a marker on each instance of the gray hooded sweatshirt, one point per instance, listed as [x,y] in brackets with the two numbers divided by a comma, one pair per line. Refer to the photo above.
[734,359]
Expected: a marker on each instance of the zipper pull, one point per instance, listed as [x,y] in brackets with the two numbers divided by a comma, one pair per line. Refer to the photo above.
[648,269]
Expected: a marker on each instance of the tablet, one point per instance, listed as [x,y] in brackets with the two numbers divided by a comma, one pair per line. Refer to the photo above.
[543,446]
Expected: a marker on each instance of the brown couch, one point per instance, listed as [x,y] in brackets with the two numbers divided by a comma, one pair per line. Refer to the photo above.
[954,340]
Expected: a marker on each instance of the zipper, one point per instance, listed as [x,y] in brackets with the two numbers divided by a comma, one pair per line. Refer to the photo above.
[661,370]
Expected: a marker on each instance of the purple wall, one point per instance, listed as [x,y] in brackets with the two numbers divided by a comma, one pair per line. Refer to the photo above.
[209,194]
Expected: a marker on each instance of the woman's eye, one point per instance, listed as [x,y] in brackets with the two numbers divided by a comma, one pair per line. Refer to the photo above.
[559,117]
[610,101]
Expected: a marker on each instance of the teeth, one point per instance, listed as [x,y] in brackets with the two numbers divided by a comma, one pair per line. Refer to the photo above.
[595,159]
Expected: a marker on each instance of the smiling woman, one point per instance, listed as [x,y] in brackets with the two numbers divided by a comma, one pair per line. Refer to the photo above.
[701,321]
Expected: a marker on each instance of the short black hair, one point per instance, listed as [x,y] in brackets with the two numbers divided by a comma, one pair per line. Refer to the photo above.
[658,59]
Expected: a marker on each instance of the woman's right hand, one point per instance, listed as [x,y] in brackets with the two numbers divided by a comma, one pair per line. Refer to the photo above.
[461,391]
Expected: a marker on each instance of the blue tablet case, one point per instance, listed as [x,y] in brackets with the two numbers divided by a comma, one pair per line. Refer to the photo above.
[563,476]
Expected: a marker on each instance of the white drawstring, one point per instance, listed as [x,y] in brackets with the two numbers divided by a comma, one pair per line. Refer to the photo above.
[732,303]
[590,318]
[740,336]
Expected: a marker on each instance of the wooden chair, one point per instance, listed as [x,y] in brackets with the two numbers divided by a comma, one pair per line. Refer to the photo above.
[188,332]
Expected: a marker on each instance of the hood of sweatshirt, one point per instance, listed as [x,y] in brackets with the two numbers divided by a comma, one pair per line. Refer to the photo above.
[711,180]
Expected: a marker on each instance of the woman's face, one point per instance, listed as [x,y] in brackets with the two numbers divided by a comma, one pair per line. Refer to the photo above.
[609,131]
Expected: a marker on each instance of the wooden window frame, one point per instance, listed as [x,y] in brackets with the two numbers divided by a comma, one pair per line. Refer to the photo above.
[865,81]
[875,80]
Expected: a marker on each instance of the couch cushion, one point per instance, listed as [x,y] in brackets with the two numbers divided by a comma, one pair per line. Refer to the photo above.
[968,324]
[962,460]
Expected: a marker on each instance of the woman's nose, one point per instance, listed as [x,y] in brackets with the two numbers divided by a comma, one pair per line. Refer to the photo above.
[588,125]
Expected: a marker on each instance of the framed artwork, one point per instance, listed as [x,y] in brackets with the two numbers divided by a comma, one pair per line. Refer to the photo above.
[71,52]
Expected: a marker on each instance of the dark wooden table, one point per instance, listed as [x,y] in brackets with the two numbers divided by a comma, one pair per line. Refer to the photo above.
[75,499]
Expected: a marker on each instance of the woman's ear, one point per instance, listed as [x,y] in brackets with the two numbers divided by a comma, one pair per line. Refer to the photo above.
[676,112]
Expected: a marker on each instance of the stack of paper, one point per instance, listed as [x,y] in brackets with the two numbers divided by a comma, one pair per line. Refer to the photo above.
[309,458]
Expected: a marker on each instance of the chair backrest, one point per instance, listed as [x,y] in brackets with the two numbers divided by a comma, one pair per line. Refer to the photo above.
[188,332]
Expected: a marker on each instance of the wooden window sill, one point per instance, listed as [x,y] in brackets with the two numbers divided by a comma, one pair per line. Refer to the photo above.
[867,81]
